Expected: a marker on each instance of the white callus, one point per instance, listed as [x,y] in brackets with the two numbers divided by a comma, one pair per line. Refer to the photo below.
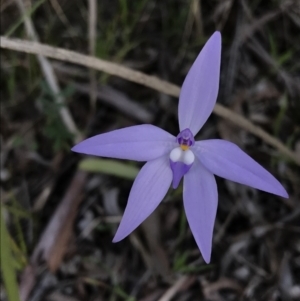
[178,155]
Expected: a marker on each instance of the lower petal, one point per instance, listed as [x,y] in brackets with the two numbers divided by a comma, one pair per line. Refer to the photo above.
[200,197]
[148,190]
[179,169]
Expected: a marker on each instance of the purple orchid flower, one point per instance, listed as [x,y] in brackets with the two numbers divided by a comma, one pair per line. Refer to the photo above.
[170,158]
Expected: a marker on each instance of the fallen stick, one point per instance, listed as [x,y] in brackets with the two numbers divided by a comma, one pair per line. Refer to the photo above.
[143,79]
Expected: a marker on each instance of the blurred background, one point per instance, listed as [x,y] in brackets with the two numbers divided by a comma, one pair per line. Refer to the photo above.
[59,210]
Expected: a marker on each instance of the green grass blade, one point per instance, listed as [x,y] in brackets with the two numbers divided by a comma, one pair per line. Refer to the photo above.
[110,167]
[7,268]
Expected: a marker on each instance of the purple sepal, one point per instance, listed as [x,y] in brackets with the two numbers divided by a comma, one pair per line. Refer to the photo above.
[200,88]
[186,137]
[179,169]
[227,160]
[140,143]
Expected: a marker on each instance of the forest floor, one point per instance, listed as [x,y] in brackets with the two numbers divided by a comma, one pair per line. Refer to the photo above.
[61,210]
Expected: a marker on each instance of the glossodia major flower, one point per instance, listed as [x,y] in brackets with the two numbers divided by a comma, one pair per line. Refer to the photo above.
[170,158]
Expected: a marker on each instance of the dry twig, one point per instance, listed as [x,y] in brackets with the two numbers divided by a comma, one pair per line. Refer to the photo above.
[92,46]
[140,78]
[49,75]
[174,289]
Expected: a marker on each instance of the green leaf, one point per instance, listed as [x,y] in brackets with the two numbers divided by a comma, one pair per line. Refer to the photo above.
[7,267]
[54,128]
[180,261]
[284,57]
[110,167]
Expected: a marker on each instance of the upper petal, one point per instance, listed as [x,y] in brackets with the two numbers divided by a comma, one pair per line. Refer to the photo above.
[148,190]
[200,197]
[228,161]
[141,143]
[200,88]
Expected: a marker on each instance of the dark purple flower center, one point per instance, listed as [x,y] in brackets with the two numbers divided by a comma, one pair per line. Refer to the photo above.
[182,158]
[185,139]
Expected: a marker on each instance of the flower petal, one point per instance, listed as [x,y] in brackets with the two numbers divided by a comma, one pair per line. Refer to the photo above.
[228,161]
[148,190]
[200,88]
[179,169]
[141,143]
[200,197]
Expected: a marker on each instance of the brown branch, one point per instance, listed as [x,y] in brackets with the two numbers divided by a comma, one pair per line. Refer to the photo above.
[140,78]
[53,243]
